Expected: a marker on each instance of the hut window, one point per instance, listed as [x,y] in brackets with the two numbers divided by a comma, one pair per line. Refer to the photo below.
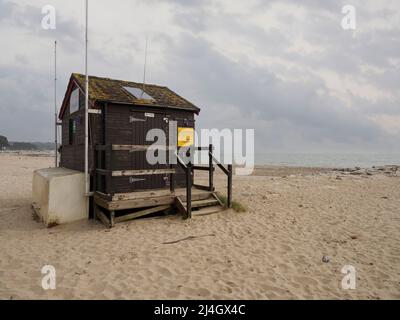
[72,130]
[74,101]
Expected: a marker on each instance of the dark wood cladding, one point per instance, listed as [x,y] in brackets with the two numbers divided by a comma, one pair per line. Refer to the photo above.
[73,153]
[121,124]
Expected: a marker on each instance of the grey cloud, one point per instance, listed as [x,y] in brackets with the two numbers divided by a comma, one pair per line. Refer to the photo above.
[29,17]
[256,91]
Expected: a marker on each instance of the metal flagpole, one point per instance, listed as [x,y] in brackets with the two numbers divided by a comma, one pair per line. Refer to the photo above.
[144,67]
[55,103]
[87,182]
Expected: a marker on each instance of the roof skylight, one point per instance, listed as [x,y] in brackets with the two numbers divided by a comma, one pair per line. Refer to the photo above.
[138,93]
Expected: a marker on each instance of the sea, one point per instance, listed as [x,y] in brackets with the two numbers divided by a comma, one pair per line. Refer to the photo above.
[347,160]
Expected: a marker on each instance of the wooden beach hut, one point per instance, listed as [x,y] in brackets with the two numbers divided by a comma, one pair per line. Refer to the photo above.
[124,185]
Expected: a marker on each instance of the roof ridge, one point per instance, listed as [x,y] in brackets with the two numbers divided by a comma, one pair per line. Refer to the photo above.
[120,80]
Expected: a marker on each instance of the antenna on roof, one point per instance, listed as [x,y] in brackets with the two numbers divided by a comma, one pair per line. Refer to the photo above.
[144,68]
[55,103]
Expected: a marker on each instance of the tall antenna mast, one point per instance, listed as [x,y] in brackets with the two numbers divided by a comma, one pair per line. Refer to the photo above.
[87,186]
[144,68]
[55,103]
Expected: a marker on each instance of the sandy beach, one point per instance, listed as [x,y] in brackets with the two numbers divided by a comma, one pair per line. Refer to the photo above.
[274,250]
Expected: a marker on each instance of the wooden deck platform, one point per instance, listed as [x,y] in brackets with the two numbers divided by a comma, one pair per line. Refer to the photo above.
[142,199]
[148,202]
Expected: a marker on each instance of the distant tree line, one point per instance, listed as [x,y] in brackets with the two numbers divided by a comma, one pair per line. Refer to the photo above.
[3,143]
[8,145]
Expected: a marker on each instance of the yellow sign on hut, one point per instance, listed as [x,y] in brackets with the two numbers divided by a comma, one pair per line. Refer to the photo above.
[185,137]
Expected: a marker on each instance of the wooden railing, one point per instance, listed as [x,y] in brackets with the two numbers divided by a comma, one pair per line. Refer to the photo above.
[210,168]
[188,168]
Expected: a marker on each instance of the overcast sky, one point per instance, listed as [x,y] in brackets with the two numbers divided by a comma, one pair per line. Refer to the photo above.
[285,68]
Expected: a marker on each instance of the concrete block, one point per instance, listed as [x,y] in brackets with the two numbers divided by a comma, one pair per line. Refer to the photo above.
[59,195]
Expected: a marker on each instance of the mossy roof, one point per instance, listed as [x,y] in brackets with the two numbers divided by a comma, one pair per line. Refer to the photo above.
[112,90]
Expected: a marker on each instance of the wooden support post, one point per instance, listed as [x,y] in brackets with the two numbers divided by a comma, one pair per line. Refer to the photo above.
[189,190]
[112,219]
[210,168]
[229,186]
[95,210]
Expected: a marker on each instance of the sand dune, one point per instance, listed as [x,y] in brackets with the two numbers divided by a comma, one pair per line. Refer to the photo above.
[272,251]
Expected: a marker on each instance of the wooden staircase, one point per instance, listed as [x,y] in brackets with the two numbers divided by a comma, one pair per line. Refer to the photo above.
[202,204]
[194,200]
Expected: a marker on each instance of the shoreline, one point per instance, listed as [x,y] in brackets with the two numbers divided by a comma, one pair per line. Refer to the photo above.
[258,168]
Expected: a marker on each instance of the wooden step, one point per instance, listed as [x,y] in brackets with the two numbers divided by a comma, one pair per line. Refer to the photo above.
[203,203]
[198,196]
[207,210]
